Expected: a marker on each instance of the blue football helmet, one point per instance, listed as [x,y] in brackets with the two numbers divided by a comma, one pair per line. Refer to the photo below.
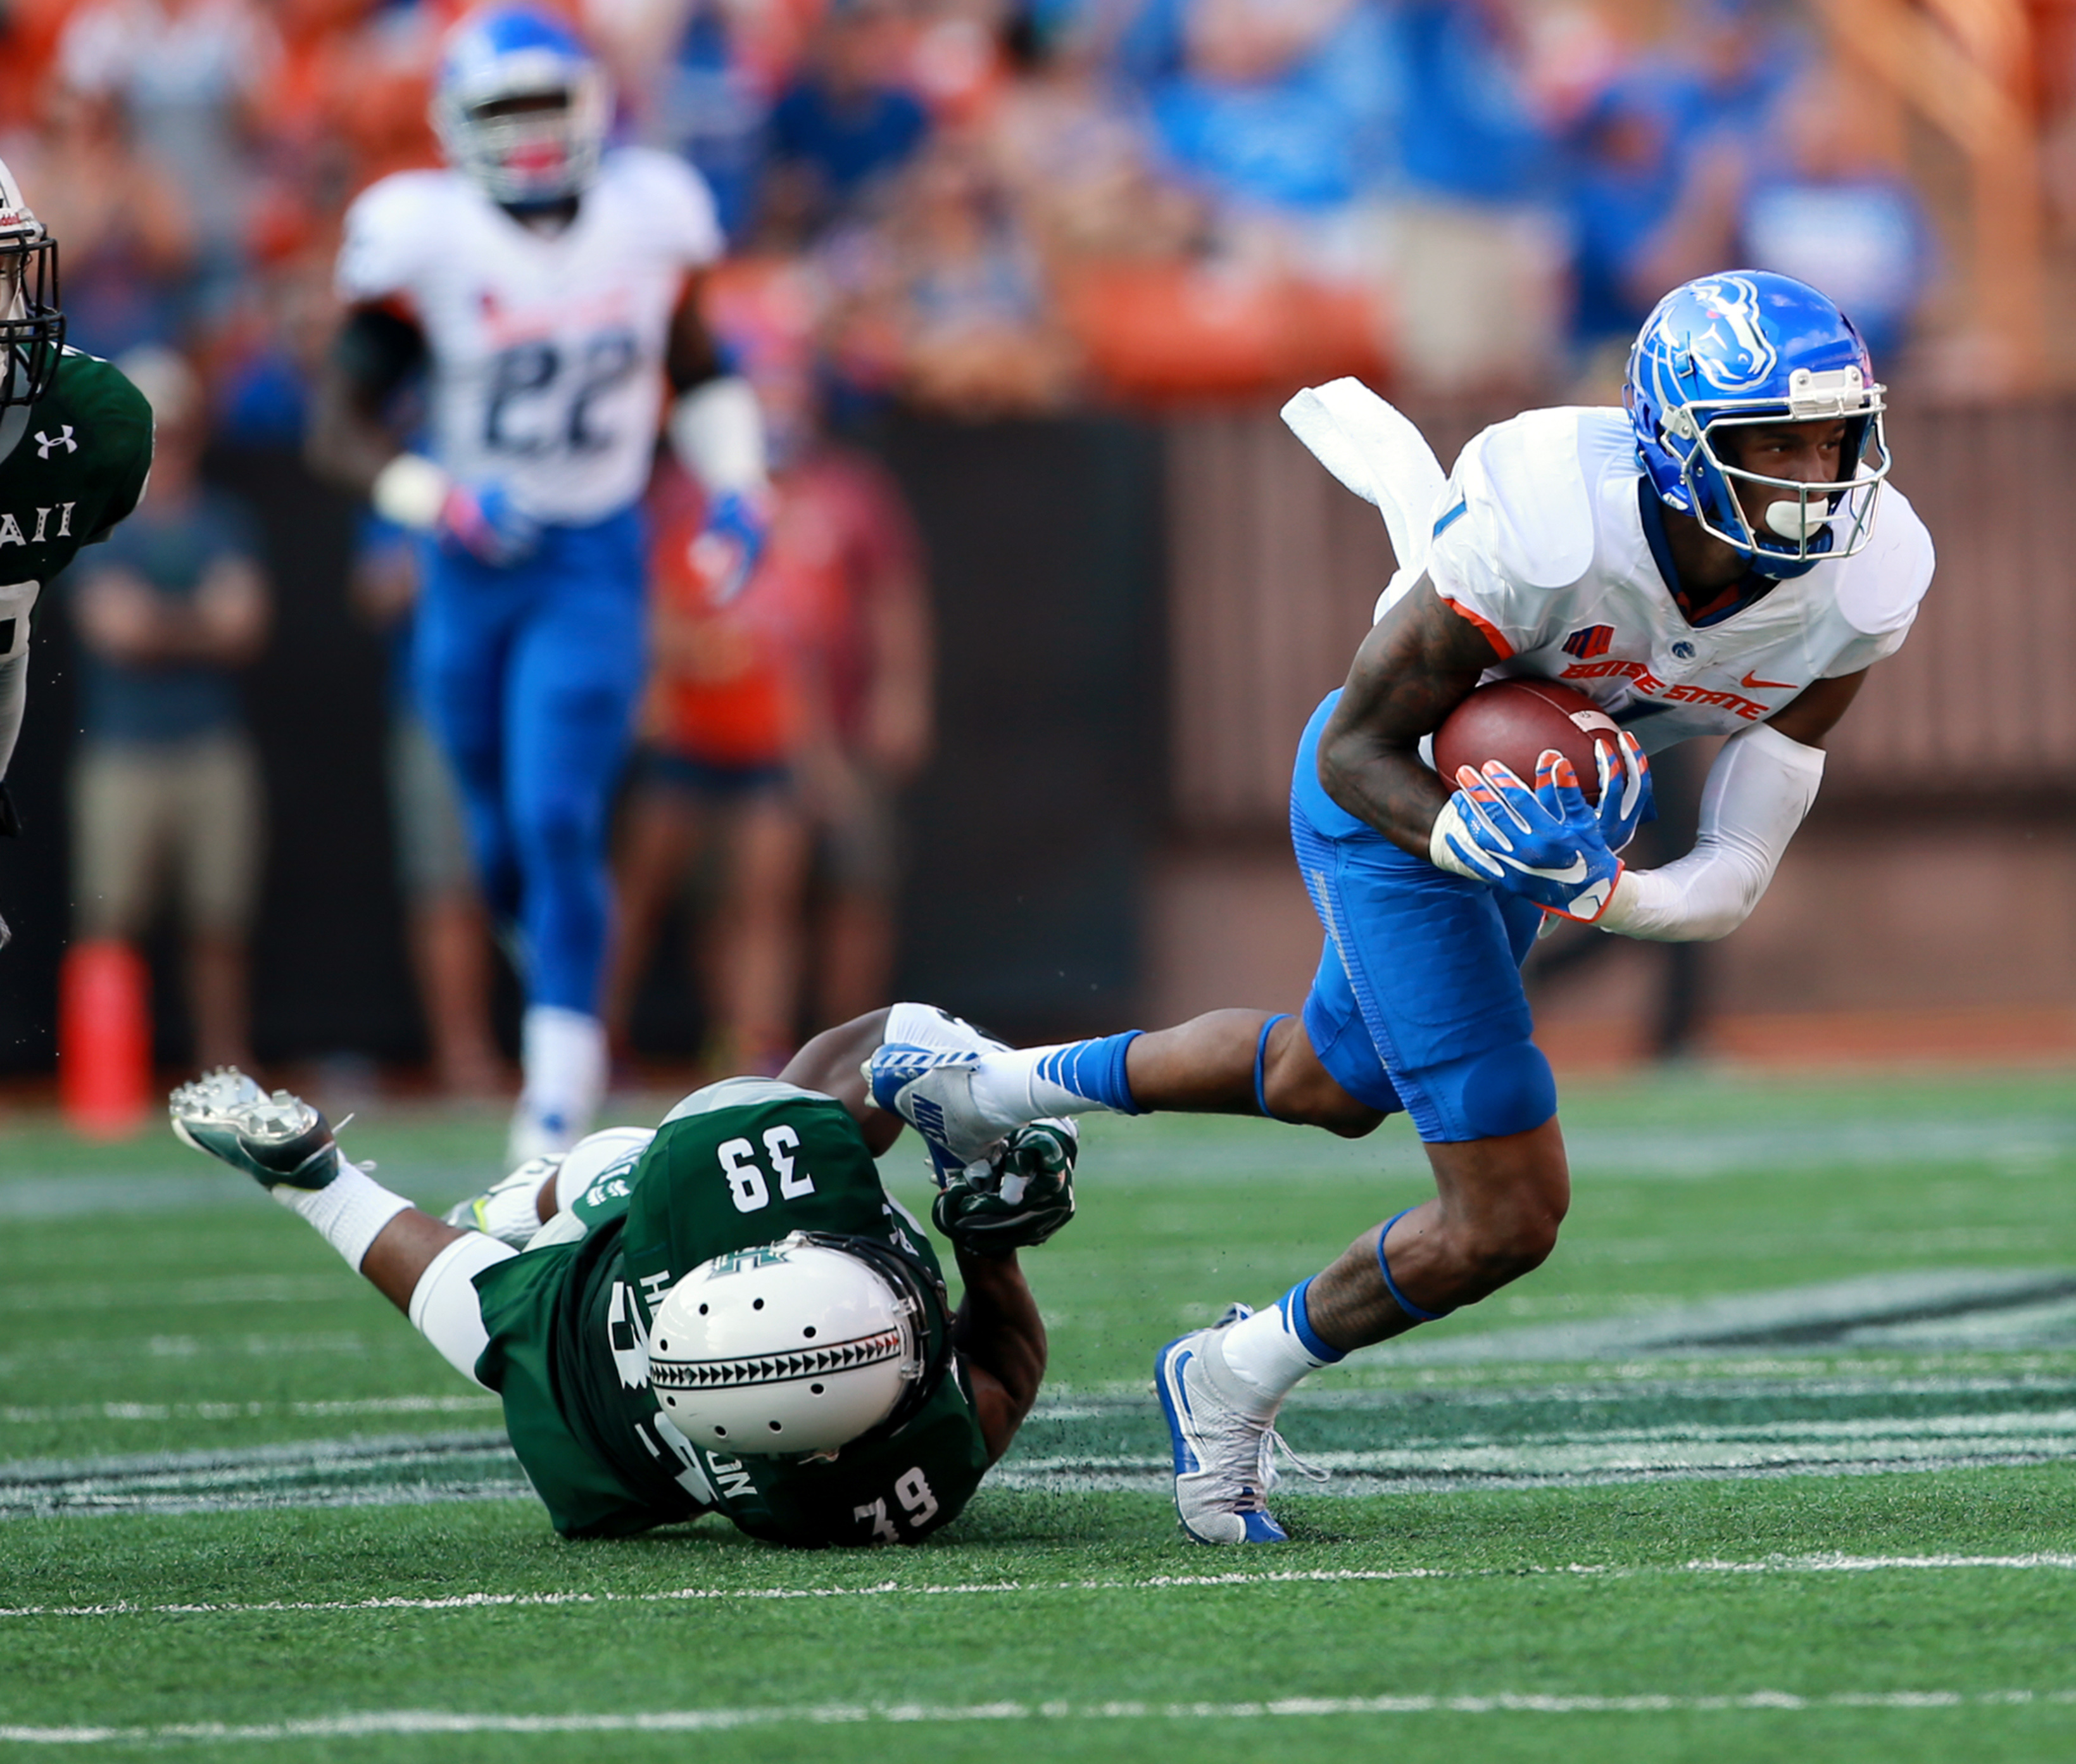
[494,106]
[1751,348]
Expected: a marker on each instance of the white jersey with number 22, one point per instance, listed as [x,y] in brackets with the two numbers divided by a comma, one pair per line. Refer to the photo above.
[547,347]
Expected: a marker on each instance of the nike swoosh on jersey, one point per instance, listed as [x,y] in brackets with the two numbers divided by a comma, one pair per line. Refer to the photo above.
[1752,683]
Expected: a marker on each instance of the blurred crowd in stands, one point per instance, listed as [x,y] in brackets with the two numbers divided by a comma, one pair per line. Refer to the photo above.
[989,206]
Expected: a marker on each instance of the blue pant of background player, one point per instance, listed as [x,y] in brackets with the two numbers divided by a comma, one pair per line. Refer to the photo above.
[530,675]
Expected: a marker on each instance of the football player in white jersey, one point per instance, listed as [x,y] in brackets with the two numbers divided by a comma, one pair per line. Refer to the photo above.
[1706,563]
[545,284]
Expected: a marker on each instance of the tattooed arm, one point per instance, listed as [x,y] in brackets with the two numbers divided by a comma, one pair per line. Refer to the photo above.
[1419,661]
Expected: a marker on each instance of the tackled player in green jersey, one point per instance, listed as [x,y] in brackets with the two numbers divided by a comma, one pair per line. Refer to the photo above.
[727,1314]
[75,448]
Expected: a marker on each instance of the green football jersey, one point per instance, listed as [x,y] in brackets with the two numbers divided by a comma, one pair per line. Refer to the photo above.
[733,1167]
[77,470]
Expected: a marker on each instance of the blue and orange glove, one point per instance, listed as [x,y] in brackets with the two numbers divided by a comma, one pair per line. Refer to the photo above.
[483,521]
[1544,844]
[1625,799]
[728,546]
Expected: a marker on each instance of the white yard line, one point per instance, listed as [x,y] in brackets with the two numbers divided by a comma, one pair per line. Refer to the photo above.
[388,1723]
[354,1405]
[1822,1563]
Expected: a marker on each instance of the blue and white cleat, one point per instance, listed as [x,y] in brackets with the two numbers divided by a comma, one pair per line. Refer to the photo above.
[931,1090]
[278,1140]
[1225,1451]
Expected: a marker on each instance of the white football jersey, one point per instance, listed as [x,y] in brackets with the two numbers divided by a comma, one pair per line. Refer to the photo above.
[1538,540]
[547,349]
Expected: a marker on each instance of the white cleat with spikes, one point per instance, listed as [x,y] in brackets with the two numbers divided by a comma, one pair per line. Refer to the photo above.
[278,1140]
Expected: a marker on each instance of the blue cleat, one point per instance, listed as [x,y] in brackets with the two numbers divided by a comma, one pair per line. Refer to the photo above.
[1225,1451]
[931,1090]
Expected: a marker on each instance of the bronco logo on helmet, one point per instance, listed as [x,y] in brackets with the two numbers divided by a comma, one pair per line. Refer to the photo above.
[1737,356]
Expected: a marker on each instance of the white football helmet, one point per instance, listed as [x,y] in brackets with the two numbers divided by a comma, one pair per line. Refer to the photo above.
[521,107]
[805,1345]
[32,327]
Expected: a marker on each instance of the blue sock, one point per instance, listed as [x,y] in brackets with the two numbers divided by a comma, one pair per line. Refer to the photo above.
[1093,1071]
[1298,1310]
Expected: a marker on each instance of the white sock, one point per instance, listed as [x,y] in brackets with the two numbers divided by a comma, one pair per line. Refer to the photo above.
[1010,1088]
[1265,1353]
[349,1211]
[563,1063]
[443,1305]
[931,1025]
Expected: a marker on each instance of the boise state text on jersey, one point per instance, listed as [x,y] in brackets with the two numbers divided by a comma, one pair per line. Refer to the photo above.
[1542,544]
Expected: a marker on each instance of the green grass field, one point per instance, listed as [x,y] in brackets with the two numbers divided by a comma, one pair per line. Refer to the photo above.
[1774,1456]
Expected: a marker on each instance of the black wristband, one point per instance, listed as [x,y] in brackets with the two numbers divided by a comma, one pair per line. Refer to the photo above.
[10,823]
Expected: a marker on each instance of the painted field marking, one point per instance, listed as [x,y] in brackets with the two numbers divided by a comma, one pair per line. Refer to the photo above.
[428,1467]
[388,1723]
[354,1406]
[1821,1563]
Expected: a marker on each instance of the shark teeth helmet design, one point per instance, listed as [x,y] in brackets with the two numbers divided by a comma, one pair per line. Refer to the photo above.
[1750,347]
[32,326]
[806,1345]
[521,107]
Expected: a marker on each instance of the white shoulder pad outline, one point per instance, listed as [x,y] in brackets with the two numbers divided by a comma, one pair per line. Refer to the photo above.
[1878,589]
[1531,508]
[1376,452]
[673,199]
[387,228]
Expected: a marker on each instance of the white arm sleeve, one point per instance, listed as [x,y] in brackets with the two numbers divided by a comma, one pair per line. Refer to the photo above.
[717,428]
[1758,790]
[13,701]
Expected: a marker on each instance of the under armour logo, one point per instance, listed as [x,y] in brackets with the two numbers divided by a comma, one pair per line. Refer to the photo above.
[62,438]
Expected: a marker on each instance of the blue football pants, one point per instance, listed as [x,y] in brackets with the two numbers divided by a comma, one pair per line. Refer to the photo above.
[530,676]
[1417,1003]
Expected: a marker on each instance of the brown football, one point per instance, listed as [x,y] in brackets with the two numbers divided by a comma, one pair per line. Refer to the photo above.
[1513,721]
